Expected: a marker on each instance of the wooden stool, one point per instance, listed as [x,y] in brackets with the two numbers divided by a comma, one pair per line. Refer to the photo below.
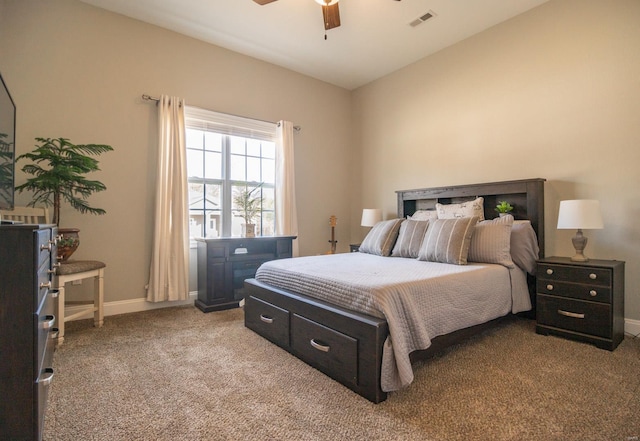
[78,270]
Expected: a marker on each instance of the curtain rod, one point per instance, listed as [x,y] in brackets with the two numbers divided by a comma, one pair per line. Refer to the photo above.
[146,97]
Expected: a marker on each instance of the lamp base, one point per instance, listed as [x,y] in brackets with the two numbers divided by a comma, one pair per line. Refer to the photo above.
[579,243]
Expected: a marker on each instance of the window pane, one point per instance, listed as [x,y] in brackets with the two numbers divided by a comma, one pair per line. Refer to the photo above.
[213,141]
[194,163]
[238,172]
[193,138]
[237,145]
[212,201]
[268,150]
[253,147]
[253,169]
[269,171]
[213,165]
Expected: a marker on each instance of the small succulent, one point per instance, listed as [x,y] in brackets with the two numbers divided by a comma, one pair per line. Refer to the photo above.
[504,207]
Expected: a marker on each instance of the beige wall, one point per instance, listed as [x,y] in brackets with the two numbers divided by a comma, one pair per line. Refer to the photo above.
[553,93]
[78,72]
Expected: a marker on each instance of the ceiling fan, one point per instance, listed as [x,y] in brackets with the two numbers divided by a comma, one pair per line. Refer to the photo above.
[330,12]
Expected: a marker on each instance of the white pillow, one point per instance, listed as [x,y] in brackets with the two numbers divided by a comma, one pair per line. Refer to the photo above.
[463,209]
[424,215]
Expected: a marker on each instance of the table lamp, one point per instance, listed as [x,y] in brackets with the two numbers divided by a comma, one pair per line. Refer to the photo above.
[370,217]
[580,214]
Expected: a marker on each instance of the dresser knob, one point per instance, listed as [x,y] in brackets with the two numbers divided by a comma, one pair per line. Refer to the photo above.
[592,276]
[45,285]
[593,293]
[550,287]
[549,271]
[46,247]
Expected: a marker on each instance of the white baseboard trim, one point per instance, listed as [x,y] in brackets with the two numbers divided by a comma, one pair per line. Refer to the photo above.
[136,305]
[133,305]
[632,326]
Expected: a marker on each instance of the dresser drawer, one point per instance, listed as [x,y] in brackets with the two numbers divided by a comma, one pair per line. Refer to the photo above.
[577,274]
[574,315]
[330,351]
[593,293]
[270,321]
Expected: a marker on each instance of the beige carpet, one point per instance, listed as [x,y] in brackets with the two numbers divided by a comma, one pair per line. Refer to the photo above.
[180,374]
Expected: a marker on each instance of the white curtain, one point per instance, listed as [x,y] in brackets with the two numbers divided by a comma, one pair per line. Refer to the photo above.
[168,276]
[286,213]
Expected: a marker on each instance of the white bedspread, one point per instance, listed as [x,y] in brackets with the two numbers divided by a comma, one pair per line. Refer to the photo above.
[420,300]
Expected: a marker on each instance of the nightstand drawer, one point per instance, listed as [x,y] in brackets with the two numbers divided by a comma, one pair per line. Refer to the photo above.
[574,315]
[593,293]
[591,276]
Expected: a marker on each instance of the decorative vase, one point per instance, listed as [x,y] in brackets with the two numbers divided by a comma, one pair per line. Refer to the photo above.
[503,214]
[248,230]
[68,242]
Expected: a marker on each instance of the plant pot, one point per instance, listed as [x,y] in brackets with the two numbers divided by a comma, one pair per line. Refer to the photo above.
[68,242]
[248,230]
[503,214]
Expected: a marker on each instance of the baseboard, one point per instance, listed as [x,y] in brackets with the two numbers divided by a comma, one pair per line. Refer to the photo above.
[136,305]
[133,305]
[632,327]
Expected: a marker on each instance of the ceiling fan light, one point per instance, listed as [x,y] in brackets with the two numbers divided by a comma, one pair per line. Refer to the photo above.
[327,2]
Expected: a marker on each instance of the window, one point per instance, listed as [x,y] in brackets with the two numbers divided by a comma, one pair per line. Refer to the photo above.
[225,156]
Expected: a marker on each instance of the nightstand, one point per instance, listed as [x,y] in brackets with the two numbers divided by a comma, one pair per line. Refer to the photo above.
[354,247]
[581,300]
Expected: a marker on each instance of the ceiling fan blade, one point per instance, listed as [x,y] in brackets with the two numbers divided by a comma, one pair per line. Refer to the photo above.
[264,2]
[331,16]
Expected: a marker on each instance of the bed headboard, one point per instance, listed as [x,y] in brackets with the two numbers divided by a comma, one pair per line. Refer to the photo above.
[526,196]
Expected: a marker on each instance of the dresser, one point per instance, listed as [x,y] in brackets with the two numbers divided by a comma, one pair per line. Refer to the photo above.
[27,326]
[225,263]
[581,300]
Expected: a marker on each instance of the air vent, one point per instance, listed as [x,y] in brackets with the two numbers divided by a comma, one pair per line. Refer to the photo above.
[422,18]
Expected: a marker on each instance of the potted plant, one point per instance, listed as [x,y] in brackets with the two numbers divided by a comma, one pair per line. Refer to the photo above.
[503,208]
[58,168]
[248,203]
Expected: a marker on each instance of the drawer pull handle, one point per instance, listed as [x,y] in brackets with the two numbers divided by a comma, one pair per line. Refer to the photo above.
[266,319]
[592,276]
[46,247]
[319,346]
[570,314]
[49,321]
[46,381]
[45,285]
[550,287]
[53,334]
[593,293]
[549,271]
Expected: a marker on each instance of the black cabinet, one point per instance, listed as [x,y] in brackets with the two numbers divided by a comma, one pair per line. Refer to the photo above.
[581,300]
[27,326]
[225,263]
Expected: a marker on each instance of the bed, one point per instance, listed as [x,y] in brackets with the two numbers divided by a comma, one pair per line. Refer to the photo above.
[360,343]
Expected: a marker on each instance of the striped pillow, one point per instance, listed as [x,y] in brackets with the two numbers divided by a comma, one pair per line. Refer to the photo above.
[491,242]
[381,238]
[410,238]
[447,240]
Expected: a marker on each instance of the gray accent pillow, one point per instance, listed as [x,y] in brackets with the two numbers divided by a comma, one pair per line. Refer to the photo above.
[463,209]
[524,246]
[448,240]
[381,238]
[491,242]
[410,238]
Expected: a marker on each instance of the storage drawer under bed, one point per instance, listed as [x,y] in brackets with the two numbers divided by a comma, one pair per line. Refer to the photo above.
[326,349]
[270,321]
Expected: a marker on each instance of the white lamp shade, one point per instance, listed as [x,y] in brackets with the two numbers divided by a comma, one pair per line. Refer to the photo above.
[327,3]
[370,217]
[580,214]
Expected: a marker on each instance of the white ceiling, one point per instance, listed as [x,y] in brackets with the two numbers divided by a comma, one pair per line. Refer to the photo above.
[374,38]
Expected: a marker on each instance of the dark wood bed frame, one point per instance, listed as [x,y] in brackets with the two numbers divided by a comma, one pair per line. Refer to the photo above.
[347,345]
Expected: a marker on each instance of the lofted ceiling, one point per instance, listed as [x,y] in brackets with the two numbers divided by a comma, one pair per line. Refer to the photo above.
[375,37]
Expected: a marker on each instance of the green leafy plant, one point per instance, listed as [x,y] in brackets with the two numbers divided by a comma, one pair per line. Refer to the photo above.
[504,207]
[59,168]
[248,203]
